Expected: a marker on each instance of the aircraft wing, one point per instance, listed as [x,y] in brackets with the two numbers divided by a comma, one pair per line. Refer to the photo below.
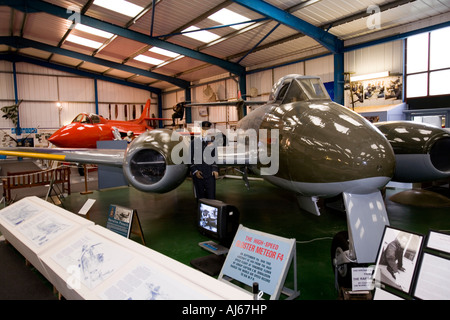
[85,156]
[151,163]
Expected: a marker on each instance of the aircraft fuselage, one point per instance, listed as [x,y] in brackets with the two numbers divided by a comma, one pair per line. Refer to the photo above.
[324,148]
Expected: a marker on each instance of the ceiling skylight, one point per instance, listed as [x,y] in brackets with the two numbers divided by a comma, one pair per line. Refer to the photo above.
[227,17]
[93,31]
[84,42]
[147,59]
[120,6]
[164,52]
[203,36]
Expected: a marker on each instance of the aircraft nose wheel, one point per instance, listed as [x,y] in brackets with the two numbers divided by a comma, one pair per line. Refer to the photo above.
[342,271]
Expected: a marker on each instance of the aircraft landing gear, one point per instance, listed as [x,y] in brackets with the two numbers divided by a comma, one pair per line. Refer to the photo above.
[340,260]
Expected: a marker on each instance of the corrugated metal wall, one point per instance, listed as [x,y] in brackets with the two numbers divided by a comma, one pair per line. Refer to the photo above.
[259,86]
[41,88]
[383,57]
[6,89]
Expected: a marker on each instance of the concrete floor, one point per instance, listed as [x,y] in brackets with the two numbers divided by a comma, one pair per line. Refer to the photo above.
[168,222]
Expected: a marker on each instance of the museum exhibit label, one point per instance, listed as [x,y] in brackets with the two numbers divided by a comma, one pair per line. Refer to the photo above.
[263,258]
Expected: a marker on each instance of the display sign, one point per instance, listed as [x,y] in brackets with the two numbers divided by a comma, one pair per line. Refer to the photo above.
[362,278]
[397,259]
[433,281]
[124,221]
[439,241]
[259,257]
[119,220]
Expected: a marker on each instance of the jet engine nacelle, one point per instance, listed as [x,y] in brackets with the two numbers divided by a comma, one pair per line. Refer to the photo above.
[148,165]
[422,152]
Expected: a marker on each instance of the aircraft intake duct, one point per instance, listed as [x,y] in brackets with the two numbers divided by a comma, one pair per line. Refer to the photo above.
[422,151]
[440,154]
[148,164]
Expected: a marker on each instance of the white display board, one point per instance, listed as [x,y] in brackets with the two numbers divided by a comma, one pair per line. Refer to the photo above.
[33,225]
[439,241]
[433,281]
[433,278]
[263,258]
[416,271]
[87,261]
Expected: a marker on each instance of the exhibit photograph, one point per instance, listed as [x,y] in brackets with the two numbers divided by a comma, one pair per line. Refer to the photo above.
[238,152]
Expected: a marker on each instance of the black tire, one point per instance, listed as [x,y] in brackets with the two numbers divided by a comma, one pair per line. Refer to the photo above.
[343,273]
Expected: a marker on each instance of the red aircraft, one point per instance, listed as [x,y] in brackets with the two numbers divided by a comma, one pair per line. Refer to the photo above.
[86,129]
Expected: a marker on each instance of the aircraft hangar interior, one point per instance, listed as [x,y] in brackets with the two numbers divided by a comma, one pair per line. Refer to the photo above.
[225,150]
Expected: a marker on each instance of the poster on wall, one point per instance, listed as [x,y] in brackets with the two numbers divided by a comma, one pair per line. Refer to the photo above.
[41,137]
[375,91]
[30,137]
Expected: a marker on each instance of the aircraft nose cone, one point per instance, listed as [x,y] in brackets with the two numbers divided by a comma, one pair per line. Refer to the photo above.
[330,143]
[65,137]
[56,138]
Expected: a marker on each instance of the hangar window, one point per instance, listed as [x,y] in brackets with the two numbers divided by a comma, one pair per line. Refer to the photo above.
[427,64]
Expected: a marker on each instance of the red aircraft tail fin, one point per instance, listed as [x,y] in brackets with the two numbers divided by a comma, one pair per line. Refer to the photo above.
[145,116]
[145,113]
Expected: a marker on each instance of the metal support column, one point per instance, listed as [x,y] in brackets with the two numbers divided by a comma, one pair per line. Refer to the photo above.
[160,111]
[243,90]
[339,78]
[188,112]
[96,96]
[16,97]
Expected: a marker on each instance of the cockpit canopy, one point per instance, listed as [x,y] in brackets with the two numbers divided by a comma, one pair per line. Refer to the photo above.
[85,118]
[293,88]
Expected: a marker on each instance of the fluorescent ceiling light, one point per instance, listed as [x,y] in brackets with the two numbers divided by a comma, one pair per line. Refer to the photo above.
[120,6]
[370,76]
[226,17]
[93,31]
[203,36]
[147,59]
[164,52]
[169,61]
[84,42]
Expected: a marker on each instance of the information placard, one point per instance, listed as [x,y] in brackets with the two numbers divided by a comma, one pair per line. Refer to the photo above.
[124,221]
[259,257]
[439,241]
[119,220]
[362,278]
[433,281]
